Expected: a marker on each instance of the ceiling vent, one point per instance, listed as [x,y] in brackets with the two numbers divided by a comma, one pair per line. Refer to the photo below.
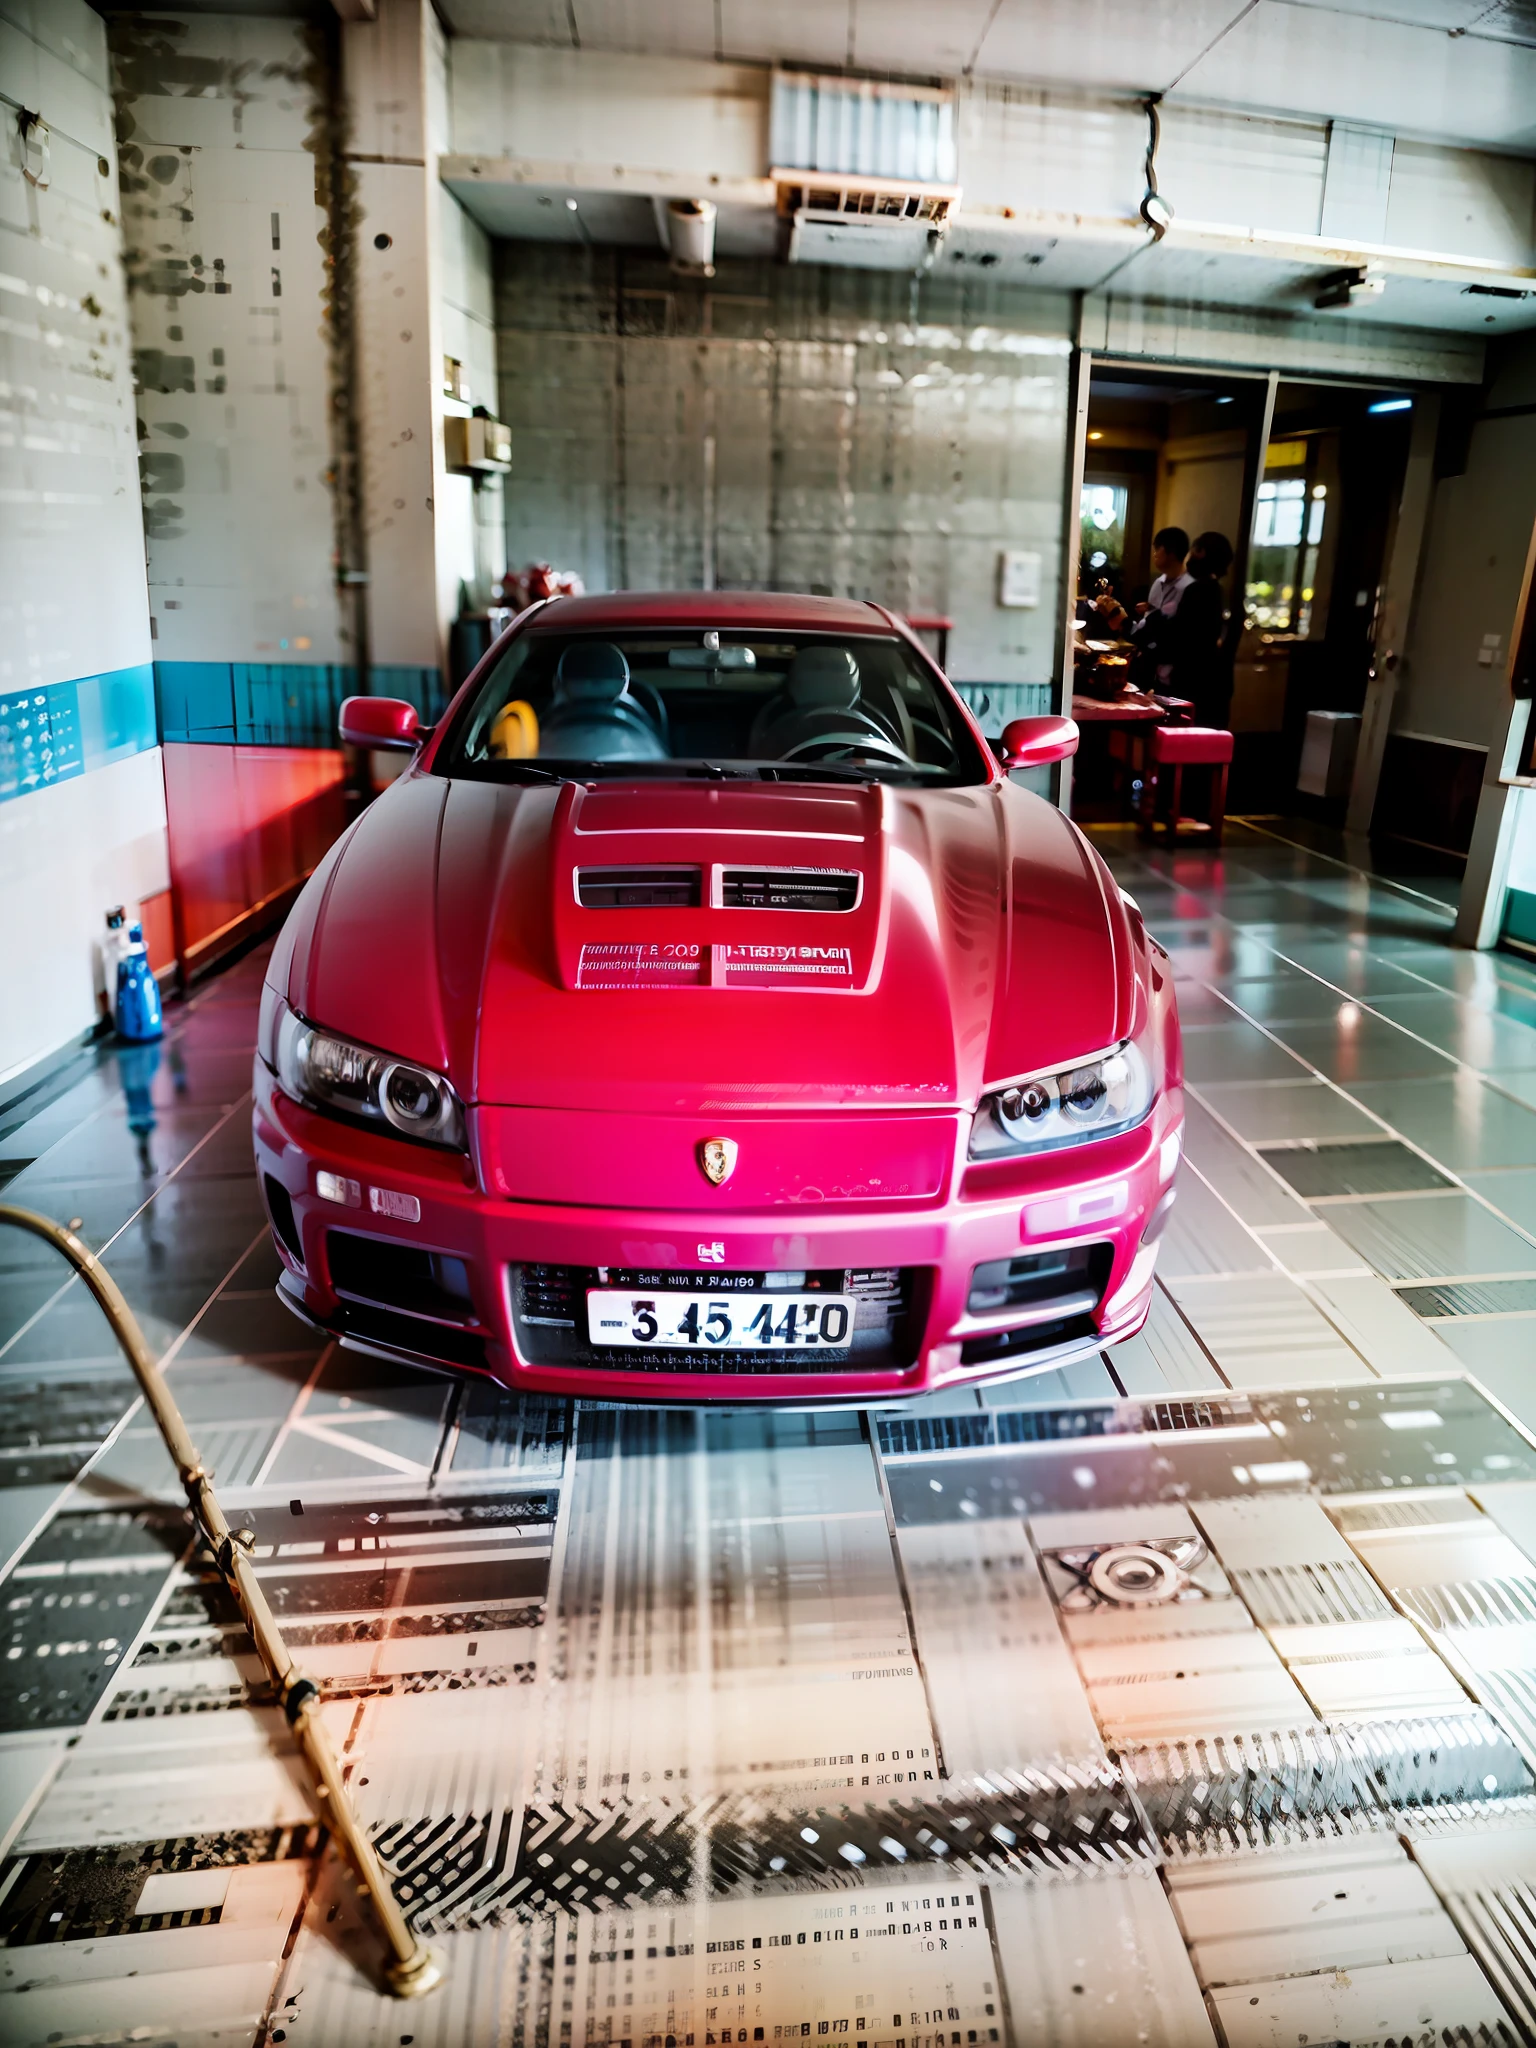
[866,170]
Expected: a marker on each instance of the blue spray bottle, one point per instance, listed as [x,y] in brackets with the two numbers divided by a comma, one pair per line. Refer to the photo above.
[138,1014]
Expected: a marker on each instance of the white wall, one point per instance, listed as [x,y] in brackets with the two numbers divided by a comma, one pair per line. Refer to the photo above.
[65,855]
[1480,530]
[1200,483]
[394,69]
[226,243]
[72,596]
[471,544]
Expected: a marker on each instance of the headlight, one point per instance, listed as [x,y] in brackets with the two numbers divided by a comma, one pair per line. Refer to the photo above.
[1095,1100]
[327,1072]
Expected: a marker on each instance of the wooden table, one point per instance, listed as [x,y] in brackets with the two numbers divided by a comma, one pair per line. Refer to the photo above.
[1117,711]
[1137,715]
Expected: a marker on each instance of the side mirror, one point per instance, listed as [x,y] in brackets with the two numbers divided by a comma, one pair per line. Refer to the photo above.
[387,722]
[1035,742]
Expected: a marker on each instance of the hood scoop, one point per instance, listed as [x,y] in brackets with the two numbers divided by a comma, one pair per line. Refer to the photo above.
[709,888]
[655,888]
[788,889]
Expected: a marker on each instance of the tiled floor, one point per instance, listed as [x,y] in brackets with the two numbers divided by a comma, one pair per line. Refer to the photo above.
[1186,1695]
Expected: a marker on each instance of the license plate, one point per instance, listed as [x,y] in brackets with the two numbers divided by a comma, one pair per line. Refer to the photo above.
[720,1322]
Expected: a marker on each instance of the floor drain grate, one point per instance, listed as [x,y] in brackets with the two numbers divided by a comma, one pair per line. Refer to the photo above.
[1378,1167]
[1471,1298]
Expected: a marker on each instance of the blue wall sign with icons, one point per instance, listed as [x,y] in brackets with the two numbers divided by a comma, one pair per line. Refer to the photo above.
[39,738]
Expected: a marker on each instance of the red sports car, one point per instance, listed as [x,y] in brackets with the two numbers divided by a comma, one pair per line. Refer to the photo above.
[704,1014]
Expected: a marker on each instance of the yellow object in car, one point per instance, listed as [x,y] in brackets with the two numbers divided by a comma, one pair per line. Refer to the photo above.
[515,732]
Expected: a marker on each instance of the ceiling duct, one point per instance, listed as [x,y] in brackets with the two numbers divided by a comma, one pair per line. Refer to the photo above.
[866,169]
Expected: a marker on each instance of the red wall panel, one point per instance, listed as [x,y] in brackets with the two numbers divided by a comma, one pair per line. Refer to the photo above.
[247,824]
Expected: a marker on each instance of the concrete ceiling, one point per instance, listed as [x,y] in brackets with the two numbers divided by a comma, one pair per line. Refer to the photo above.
[1461,71]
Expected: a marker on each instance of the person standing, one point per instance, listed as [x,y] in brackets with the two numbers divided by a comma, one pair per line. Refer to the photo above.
[1170,546]
[1191,641]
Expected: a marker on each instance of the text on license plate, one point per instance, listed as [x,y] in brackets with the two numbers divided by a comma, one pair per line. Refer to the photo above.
[755,1322]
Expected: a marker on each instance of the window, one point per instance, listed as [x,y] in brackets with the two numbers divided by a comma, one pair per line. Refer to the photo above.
[1103,516]
[1282,567]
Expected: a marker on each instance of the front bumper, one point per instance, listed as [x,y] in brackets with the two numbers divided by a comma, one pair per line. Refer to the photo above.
[1105,1195]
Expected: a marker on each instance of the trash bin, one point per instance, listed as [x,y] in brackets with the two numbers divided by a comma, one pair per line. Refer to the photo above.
[1328,753]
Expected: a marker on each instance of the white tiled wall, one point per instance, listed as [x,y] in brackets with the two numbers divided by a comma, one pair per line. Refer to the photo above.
[72,595]
[65,854]
[226,243]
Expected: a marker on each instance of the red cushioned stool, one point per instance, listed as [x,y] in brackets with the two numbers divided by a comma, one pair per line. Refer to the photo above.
[1179,747]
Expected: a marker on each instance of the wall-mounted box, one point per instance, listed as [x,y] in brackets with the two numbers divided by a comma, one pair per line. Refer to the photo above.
[1018,579]
[475,446]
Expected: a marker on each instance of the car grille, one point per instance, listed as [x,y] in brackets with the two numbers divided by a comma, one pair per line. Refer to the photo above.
[549,1316]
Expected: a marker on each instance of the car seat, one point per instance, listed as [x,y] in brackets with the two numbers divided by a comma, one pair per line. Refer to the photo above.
[819,702]
[592,716]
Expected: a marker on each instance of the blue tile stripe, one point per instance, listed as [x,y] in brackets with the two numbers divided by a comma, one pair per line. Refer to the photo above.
[58,731]
[996,704]
[288,704]
[63,730]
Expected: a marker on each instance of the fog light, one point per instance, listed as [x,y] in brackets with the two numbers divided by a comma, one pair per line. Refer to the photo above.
[332,1187]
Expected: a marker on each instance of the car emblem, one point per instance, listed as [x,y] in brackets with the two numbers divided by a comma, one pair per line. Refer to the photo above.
[717,1158]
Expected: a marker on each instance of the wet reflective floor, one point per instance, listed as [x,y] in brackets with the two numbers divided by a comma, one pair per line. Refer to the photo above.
[1185,1696]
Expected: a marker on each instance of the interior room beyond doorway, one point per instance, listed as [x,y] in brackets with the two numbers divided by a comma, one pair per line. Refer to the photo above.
[1304,481]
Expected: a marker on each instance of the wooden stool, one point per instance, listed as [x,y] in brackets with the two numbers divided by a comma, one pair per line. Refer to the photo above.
[1187,746]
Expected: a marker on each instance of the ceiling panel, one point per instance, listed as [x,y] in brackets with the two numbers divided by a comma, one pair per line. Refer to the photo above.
[672,28]
[1074,262]
[808,32]
[1414,81]
[529,214]
[1441,14]
[1415,67]
[915,37]
[1100,45]
[1237,278]
[1510,20]
[510,21]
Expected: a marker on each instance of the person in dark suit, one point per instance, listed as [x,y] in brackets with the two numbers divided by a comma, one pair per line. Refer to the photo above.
[1190,642]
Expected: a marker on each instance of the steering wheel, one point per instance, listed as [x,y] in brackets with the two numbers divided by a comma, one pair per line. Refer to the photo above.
[922,729]
[648,697]
[855,743]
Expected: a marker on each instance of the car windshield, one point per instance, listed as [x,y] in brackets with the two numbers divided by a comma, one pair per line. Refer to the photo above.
[776,706]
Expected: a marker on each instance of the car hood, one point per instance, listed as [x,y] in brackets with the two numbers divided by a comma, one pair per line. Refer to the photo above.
[985,940]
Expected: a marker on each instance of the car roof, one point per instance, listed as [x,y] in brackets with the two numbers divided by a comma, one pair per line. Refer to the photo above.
[772,609]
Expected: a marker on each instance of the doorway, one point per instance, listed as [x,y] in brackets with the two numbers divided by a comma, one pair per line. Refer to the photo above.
[1162,449]
[1304,478]
[1325,511]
